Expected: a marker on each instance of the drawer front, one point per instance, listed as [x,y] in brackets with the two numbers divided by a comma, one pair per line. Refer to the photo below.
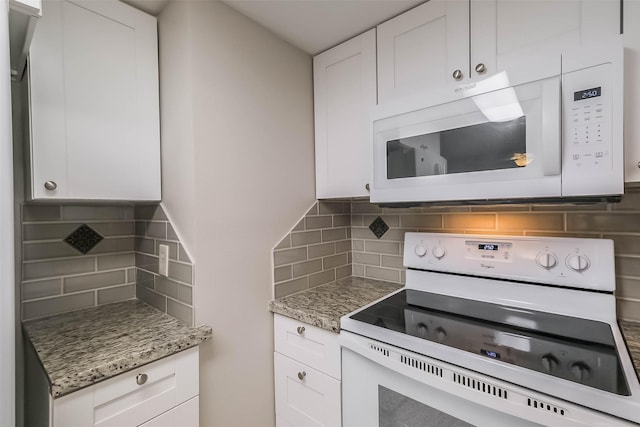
[184,415]
[134,397]
[308,344]
[312,401]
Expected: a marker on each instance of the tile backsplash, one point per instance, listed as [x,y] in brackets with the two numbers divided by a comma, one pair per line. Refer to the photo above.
[56,277]
[381,258]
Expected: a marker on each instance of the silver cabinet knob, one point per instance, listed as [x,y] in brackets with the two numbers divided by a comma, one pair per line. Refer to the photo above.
[480,68]
[141,378]
[368,187]
[300,330]
[457,74]
[639,165]
[50,185]
[301,375]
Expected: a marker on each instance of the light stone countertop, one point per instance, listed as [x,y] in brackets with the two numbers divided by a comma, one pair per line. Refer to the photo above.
[84,347]
[324,305]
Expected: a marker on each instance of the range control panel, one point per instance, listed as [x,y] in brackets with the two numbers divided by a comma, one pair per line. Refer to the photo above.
[571,262]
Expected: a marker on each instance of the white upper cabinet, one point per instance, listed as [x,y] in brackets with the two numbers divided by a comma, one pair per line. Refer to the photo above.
[93,83]
[344,93]
[444,42]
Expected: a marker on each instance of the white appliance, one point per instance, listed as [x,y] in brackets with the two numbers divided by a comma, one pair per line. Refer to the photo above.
[492,331]
[545,131]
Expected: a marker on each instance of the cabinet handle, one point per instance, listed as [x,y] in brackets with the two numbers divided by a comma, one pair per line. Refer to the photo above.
[301,375]
[638,164]
[300,330]
[457,74]
[367,187]
[480,68]
[141,378]
[50,185]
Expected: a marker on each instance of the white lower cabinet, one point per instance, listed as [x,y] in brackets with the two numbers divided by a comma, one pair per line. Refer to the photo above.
[160,394]
[307,375]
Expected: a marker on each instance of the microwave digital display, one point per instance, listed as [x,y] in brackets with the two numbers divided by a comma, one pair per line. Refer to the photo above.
[587,93]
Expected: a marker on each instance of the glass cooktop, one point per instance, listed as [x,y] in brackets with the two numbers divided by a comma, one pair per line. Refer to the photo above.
[578,350]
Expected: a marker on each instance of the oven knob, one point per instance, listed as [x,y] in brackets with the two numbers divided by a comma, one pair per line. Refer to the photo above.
[578,263]
[580,371]
[549,362]
[422,330]
[420,251]
[547,260]
[441,334]
[439,252]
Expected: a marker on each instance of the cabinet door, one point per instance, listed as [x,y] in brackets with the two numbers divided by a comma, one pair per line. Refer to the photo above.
[506,34]
[94,102]
[305,397]
[184,415]
[344,92]
[420,49]
[631,91]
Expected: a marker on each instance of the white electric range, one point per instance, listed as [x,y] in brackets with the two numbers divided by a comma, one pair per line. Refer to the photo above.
[490,331]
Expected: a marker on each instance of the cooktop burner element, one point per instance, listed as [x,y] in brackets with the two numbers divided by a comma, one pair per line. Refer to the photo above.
[538,312]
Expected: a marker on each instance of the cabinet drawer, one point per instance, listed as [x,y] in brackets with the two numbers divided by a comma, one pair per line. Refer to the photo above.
[313,400]
[184,415]
[308,344]
[133,397]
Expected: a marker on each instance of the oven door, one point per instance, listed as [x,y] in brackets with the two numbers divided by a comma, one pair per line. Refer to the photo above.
[385,386]
[499,142]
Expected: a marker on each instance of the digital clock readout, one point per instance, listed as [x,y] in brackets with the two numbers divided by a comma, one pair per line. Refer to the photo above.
[587,93]
[488,247]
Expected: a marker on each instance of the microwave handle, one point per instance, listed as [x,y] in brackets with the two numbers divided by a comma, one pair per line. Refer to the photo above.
[551,131]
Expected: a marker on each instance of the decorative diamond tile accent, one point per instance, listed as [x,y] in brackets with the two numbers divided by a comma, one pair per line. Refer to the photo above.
[378,227]
[84,238]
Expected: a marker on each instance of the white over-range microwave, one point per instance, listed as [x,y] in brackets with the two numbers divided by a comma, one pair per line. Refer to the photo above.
[549,129]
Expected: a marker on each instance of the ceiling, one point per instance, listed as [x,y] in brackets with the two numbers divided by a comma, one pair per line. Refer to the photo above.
[311,25]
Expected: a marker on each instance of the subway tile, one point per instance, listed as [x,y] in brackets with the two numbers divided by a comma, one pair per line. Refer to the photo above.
[392,262]
[341,221]
[145,278]
[307,267]
[109,229]
[173,248]
[156,230]
[627,266]
[390,220]
[46,250]
[393,235]
[396,211]
[533,221]
[287,288]
[628,309]
[628,288]
[343,246]
[323,249]
[500,208]
[299,226]
[403,276]
[289,256]
[304,238]
[41,212]
[358,270]
[391,248]
[444,209]
[152,298]
[364,258]
[140,228]
[150,212]
[32,232]
[284,243]
[322,278]
[630,201]
[364,208]
[344,271]
[182,312]
[148,262]
[281,274]
[93,281]
[111,262]
[313,210]
[55,305]
[470,221]
[625,244]
[349,257]
[65,267]
[334,234]
[570,208]
[382,274]
[129,213]
[348,233]
[174,290]
[318,222]
[95,213]
[424,221]
[114,244]
[334,261]
[619,222]
[357,220]
[41,289]
[117,293]
[171,233]
[181,272]
[325,207]
[357,245]
[131,275]
[183,255]
[146,246]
